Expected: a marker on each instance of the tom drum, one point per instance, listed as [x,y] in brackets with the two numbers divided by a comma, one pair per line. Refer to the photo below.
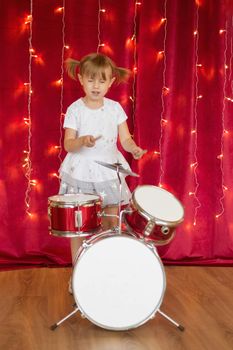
[154,213]
[73,215]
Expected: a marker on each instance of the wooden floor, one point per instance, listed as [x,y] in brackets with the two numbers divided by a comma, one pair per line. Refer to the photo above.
[200,298]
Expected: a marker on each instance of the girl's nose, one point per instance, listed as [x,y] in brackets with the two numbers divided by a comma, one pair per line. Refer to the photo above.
[96,83]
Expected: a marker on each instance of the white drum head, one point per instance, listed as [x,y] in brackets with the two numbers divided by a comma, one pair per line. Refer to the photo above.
[159,203]
[118,282]
[79,198]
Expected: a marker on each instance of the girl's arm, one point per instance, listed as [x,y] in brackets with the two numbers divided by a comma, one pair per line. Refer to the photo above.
[72,143]
[127,142]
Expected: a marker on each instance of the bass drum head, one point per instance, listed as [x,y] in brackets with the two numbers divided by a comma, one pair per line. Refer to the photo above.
[118,282]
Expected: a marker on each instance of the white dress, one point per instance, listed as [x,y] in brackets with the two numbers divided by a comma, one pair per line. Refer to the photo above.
[79,172]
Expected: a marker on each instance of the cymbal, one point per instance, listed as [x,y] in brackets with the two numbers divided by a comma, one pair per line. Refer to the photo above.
[117,166]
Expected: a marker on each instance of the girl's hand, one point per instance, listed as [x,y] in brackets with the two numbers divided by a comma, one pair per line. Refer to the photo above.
[137,152]
[88,141]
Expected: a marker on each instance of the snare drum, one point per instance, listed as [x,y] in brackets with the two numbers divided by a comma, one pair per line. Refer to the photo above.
[154,213]
[74,215]
[118,281]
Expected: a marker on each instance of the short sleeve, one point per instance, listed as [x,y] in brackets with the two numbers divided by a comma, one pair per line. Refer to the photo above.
[121,115]
[71,119]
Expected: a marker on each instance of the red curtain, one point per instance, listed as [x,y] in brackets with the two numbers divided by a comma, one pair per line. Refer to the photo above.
[179,102]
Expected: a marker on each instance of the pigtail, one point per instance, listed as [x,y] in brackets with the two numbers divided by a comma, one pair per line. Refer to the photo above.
[122,74]
[71,66]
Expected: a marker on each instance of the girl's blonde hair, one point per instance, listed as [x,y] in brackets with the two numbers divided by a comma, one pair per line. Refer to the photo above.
[95,64]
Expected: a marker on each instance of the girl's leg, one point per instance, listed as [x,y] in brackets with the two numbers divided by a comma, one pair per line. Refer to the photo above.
[75,244]
[109,222]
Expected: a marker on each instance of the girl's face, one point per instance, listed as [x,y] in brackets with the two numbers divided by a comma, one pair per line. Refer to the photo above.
[96,87]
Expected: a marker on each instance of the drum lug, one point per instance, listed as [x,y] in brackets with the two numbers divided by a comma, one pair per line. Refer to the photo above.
[151,246]
[152,316]
[165,230]
[100,214]
[78,219]
[149,228]
[86,244]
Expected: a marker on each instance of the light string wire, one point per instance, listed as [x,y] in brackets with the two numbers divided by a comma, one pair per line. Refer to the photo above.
[134,39]
[162,118]
[231,57]
[62,81]
[28,163]
[224,131]
[99,44]
[194,165]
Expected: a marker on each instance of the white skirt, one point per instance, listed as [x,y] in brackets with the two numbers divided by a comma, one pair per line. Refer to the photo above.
[109,191]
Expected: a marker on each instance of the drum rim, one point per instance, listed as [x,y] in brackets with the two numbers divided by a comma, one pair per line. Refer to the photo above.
[71,204]
[72,234]
[152,249]
[148,216]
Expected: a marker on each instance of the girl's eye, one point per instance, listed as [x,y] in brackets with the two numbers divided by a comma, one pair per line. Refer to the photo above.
[102,81]
[90,80]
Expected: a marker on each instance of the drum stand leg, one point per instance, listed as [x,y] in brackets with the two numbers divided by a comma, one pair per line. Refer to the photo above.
[179,326]
[55,325]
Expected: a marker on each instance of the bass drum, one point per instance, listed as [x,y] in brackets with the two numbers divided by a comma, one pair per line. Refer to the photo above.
[118,281]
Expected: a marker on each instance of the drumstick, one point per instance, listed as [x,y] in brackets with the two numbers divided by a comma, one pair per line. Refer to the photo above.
[144,151]
[98,137]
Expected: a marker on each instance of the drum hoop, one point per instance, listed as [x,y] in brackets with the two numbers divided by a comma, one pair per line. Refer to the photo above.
[160,242]
[67,203]
[74,204]
[153,251]
[153,218]
[71,234]
[105,234]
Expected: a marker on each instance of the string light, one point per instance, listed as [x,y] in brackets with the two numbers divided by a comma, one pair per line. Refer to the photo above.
[59,9]
[194,164]
[134,41]
[163,121]
[28,19]
[221,156]
[60,82]
[54,175]
[27,161]
[221,31]
[231,57]
[100,10]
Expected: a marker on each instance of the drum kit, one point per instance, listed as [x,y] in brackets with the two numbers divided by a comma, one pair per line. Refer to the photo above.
[118,278]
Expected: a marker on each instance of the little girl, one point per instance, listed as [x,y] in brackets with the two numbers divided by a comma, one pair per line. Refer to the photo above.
[92,125]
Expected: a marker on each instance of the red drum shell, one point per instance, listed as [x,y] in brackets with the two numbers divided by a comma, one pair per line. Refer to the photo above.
[137,223]
[62,213]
